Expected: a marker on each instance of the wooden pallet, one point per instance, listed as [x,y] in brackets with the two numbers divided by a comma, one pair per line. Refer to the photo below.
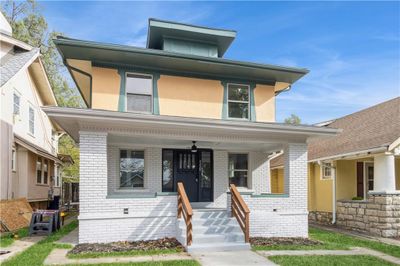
[14,214]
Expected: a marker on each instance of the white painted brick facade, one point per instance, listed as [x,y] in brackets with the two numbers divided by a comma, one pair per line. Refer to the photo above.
[284,217]
[102,218]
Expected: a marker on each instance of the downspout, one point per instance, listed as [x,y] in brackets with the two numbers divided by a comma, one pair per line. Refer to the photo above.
[334,195]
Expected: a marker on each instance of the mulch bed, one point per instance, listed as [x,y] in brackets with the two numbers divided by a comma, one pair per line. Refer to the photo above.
[281,241]
[145,245]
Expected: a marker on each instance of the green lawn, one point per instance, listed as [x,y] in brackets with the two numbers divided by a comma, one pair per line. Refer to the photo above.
[328,260]
[36,254]
[332,240]
[125,253]
[7,239]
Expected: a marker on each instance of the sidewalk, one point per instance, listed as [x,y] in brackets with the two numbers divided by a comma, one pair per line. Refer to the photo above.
[231,258]
[18,246]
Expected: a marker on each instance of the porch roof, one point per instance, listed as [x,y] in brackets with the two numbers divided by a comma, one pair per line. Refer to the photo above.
[73,120]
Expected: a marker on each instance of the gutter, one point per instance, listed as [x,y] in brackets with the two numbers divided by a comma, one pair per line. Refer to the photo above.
[184,121]
[351,154]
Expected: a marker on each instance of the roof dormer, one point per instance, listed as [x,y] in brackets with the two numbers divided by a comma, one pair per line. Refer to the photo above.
[188,39]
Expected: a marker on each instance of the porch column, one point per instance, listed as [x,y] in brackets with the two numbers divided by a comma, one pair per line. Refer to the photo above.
[295,172]
[92,170]
[384,173]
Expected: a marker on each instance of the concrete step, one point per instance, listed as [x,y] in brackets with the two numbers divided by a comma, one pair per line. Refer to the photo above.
[213,247]
[213,229]
[221,238]
[206,214]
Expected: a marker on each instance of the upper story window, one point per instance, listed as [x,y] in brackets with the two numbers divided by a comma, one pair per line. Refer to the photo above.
[139,93]
[238,169]
[131,169]
[17,102]
[238,101]
[31,120]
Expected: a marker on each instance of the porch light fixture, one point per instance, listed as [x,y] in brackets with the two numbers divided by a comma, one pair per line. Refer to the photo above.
[194,148]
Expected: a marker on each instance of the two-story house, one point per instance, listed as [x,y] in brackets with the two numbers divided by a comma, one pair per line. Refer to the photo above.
[29,164]
[178,113]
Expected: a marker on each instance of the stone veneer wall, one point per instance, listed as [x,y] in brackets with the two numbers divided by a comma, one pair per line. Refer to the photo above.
[320,217]
[379,215]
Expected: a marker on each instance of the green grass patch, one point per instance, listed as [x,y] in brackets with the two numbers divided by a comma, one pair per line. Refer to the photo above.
[328,260]
[153,263]
[333,241]
[125,253]
[36,254]
[7,239]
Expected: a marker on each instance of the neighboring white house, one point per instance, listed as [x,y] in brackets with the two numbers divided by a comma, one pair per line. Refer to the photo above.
[178,112]
[29,140]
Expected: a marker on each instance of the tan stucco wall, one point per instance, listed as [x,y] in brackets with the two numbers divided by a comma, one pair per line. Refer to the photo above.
[105,88]
[264,101]
[191,97]
[277,181]
[319,191]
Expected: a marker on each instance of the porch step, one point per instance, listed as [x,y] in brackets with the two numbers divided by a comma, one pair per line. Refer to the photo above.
[210,247]
[213,230]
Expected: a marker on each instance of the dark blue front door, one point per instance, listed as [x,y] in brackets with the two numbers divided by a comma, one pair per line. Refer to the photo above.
[195,171]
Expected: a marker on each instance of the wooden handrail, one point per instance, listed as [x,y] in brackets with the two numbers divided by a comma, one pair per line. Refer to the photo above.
[185,208]
[240,210]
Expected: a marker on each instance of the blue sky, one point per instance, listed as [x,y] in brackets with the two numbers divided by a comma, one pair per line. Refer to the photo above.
[352,49]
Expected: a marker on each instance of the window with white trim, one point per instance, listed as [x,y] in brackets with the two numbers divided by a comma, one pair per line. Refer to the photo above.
[238,101]
[131,169]
[326,170]
[14,160]
[139,93]
[57,176]
[238,169]
[31,120]
[17,103]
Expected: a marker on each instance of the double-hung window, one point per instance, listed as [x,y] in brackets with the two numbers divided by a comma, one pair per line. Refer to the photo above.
[45,171]
[238,169]
[139,93]
[238,101]
[326,170]
[17,102]
[39,170]
[14,160]
[31,120]
[131,169]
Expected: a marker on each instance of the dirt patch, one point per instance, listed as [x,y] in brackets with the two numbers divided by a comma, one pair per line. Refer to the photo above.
[282,241]
[159,244]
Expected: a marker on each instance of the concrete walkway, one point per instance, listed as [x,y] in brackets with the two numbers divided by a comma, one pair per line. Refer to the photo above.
[60,255]
[18,246]
[335,229]
[231,258]
[71,238]
[351,252]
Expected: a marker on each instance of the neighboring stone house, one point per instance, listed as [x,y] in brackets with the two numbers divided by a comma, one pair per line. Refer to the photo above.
[357,173]
[29,164]
[178,112]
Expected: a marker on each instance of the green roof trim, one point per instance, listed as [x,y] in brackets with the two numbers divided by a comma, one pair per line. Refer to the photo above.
[159,30]
[180,64]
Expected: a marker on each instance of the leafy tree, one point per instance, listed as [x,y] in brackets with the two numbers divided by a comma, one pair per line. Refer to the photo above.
[30,26]
[293,120]
[68,146]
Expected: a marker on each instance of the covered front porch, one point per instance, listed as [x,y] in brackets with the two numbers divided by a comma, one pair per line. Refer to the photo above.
[131,164]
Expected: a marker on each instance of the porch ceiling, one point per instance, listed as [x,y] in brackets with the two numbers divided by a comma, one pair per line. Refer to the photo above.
[151,141]
[153,128]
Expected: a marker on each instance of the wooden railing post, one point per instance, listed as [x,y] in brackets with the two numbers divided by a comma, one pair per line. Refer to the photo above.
[185,210]
[240,210]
